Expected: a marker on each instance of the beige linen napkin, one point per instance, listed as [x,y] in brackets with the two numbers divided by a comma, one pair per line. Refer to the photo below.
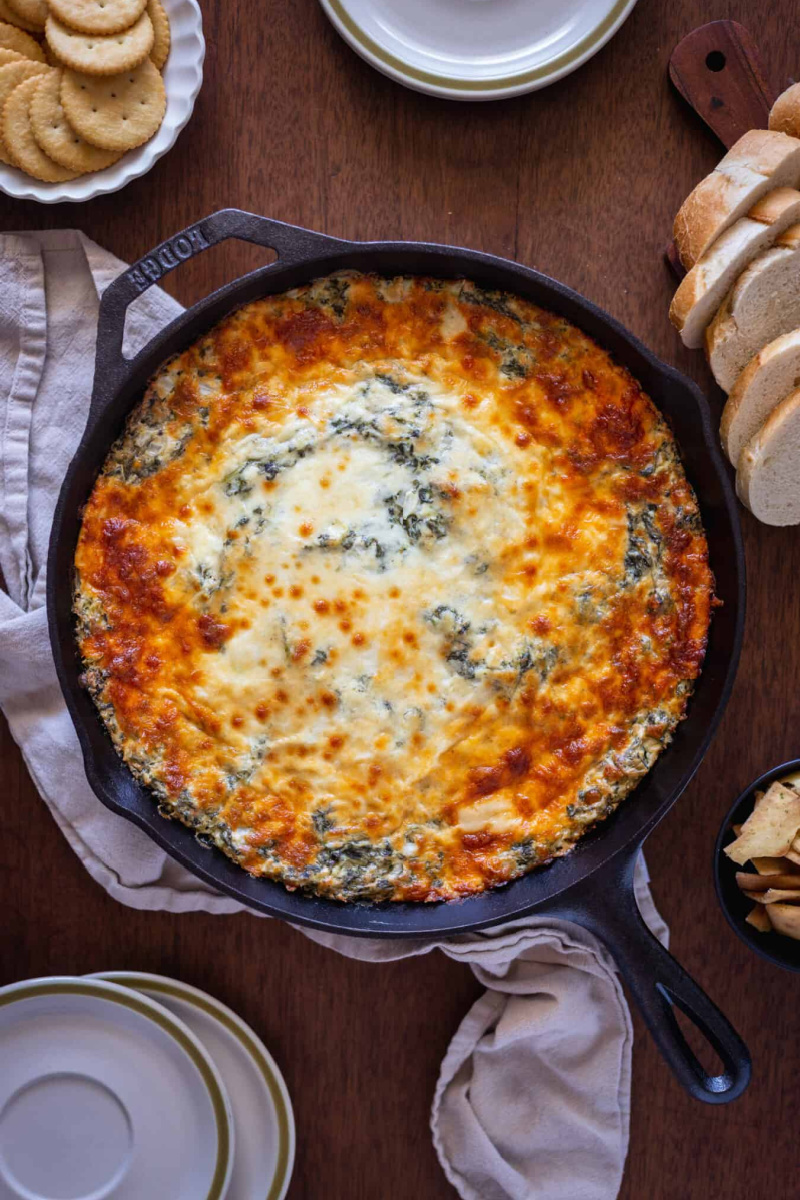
[534,1092]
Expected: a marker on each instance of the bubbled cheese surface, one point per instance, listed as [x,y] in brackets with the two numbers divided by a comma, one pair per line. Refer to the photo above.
[392,588]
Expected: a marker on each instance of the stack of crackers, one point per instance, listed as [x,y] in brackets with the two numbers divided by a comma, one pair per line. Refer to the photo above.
[80,82]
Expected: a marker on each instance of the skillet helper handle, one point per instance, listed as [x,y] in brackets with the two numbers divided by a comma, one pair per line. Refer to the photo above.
[291,243]
[718,71]
[659,984]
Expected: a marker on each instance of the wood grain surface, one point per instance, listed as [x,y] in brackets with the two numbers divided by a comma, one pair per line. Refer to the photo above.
[582,181]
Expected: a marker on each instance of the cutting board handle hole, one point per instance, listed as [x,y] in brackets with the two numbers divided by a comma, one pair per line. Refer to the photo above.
[715,61]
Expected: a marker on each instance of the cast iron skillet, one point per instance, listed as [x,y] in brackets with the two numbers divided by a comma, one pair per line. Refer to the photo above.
[594,884]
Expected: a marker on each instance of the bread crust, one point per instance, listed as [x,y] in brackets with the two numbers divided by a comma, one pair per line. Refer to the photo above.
[784,115]
[740,180]
[736,247]
[790,237]
[771,207]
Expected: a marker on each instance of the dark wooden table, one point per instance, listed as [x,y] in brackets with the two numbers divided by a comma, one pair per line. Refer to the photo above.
[580,180]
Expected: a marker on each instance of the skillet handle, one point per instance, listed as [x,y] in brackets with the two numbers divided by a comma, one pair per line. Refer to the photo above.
[291,243]
[607,906]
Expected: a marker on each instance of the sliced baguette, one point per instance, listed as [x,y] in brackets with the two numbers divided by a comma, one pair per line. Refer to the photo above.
[702,291]
[768,477]
[761,160]
[768,377]
[784,116]
[763,303]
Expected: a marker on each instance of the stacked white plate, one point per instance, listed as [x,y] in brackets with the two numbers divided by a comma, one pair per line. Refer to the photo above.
[125,1086]
[477,49]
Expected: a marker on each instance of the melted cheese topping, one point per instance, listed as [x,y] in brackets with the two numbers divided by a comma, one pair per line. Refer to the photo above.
[391,588]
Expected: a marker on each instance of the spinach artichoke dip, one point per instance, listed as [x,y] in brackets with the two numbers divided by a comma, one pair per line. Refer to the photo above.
[391,588]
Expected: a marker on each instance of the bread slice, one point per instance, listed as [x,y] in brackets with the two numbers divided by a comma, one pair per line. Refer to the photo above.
[702,291]
[768,377]
[768,479]
[784,116]
[763,303]
[761,160]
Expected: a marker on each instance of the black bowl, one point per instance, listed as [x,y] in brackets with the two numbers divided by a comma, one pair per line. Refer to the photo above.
[775,947]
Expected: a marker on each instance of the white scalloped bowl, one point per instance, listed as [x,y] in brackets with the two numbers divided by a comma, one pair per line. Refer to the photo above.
[183,75]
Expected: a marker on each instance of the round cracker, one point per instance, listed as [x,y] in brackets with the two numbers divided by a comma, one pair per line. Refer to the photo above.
[8,14]
[9,56]
[23,149]
[97,16]
[31,14]
[161,34]
[98,53]
[56,136]
[15,73]
[11,76]
[118,112]
[14,39]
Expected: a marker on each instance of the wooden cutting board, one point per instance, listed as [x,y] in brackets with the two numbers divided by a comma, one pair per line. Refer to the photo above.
[717,70]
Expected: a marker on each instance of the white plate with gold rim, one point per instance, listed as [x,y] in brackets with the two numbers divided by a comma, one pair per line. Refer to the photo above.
[262,1110]
[105,1094]
[183,75]
[477,49]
